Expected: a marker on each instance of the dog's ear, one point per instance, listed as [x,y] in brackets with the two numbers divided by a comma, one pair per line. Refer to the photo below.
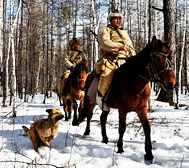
[49,111]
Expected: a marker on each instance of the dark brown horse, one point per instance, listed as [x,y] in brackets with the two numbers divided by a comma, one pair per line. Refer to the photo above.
[74,90]
[152,63]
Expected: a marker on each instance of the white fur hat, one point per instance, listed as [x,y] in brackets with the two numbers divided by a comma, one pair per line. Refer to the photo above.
[111,15]
[114,13]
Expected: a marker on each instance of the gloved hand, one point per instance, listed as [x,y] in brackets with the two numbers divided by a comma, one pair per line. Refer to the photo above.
[71,68]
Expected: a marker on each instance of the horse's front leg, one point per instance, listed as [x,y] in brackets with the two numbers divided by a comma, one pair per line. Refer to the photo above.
[80,108]
[75,121]
[103,120]
[147,131]
[65,107]
[122,128]
[69,106]
[89,109]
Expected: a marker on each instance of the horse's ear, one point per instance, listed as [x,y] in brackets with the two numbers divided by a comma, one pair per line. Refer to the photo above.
[168,43]
[154,42]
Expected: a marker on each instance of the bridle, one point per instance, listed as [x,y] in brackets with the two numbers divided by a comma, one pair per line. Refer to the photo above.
[152,70]
[78,78]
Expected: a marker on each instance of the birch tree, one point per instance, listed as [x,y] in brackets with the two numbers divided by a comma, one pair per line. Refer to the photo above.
[4,55]
[1,23]
[146,23]
[96,22]
[181,57]
[75,24]
[1,48]
[11,49]
[187,67]
[124,12]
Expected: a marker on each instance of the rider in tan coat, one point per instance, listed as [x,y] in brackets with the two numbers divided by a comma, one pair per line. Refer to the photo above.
[74,57]
[115,46]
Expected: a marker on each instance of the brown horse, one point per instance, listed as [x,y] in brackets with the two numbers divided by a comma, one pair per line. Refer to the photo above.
[74,90]
[133,91]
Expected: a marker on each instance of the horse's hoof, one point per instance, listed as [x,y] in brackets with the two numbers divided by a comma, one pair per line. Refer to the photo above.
[148,159]
[66,119]
[105,140]
[75,123]
[80,120]
[120,151]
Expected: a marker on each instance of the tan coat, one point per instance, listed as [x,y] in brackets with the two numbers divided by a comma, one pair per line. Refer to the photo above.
[74,57]
[110,42]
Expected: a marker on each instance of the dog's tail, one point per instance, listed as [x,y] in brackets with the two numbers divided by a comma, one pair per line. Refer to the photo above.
[26,130]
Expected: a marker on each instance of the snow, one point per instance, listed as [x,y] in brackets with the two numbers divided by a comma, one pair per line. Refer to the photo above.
[169,134]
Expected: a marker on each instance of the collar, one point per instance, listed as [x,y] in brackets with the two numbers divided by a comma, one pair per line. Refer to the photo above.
[111,27]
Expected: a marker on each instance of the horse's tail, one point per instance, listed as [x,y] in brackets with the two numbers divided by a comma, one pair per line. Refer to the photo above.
[60,87]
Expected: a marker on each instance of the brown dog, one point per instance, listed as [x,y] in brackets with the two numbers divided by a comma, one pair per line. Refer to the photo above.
[43,131]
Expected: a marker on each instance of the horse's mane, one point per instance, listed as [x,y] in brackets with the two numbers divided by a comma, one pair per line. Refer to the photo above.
[80,67]
[134,64]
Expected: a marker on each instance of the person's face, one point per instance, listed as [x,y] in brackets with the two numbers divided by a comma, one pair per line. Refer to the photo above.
[77,47]
[116,22]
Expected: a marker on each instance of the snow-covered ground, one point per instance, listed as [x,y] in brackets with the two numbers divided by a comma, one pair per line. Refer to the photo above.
[169,134]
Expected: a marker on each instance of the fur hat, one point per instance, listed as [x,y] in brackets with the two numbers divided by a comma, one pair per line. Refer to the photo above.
[114,13]
[75,41]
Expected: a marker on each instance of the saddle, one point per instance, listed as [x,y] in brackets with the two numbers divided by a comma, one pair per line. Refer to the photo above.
[111,96]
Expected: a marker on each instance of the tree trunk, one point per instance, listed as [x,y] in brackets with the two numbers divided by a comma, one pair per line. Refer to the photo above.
[169,34]
[96,22]
[146,23]
[75,24]
[26,60]
[47,59]
[4,55]
[149,29]
[20,58]
[8,56]
[51,75]
[14,61]
[1,48]
[181,58]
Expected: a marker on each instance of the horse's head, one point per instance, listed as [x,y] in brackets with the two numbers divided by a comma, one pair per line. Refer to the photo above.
[81,71]
[160,66]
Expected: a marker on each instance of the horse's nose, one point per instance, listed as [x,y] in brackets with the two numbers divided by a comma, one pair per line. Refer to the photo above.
[82,84]
[170,86]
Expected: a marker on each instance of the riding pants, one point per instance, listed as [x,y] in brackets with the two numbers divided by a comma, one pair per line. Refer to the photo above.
[107,74]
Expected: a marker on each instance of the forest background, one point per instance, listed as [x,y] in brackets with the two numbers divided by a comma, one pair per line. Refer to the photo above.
[35,33]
